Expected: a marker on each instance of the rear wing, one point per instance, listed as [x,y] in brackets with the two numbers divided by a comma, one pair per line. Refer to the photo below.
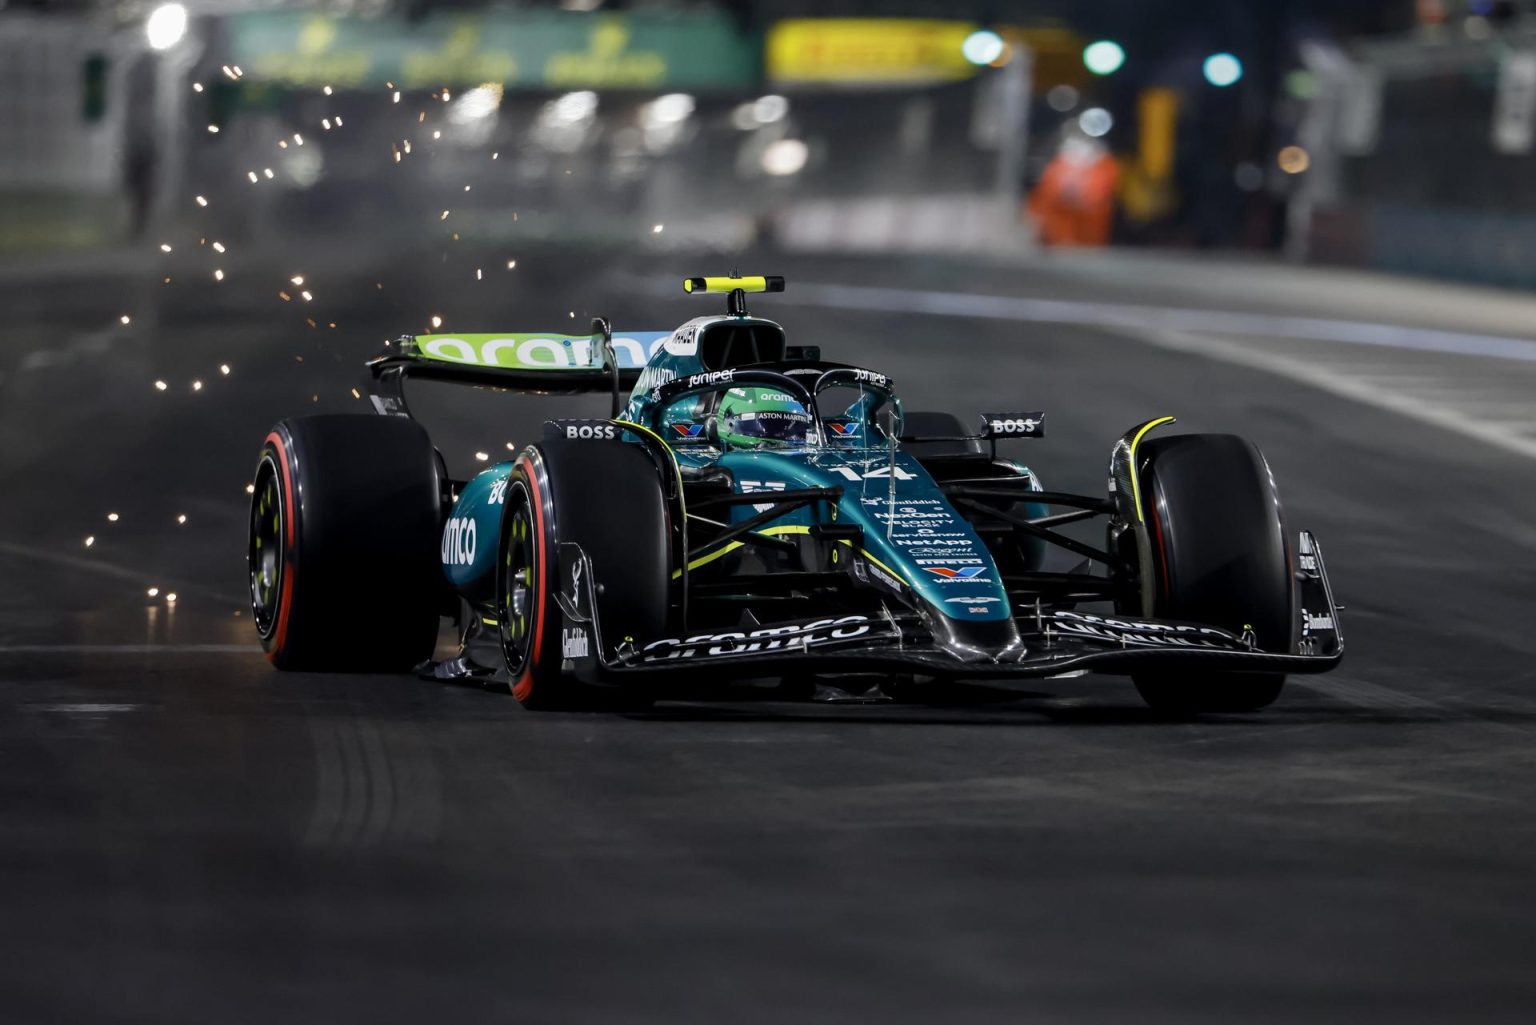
[547,363]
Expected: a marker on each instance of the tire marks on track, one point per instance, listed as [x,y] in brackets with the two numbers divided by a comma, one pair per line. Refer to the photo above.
[375,783]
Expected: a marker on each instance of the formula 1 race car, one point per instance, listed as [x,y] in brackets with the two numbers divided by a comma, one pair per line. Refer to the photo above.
[750,511]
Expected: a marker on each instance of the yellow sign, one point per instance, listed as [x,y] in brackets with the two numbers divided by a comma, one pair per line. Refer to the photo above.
[868,50]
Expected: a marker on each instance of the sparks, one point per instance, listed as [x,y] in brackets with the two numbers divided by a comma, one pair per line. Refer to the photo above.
[170,598]
[197,386]
[267,171]
[201,201]
[444,217]
[213,129]
[397,96]
[307,296]
[161,386]
[113,517]
[325,123]
[297,279]
[437,321]
[483,456]
[197,87]
[298,140]
[282,143]
[437,134]
[656,230]
[165,247]
[153,592]
[356,394]
[218,247]
[90,540]
[511,264]
[124,318]
[496,155]
[338,120]
[224,369]
[466,188]
[252,176]
[218,275]
[181,518]
[478,275]
[250,489]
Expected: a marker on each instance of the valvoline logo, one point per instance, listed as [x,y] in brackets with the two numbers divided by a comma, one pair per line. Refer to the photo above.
[843,428]
[688,430]
[957,572]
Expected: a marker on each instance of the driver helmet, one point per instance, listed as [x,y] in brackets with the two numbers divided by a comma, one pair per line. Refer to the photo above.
[761,417]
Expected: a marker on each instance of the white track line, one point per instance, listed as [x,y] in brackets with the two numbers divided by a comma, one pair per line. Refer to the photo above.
[1172,328]
[129,649]
[1140,317]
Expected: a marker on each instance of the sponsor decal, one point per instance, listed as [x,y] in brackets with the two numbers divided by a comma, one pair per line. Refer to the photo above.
[684,341]
[539,351]
[881,576]
[872,378]
[788,637]
[1022,425]
[959,574]
[573,643]
[587,430]
[1310,622]
[1308,563]
[879,473]
[901,501]
[749,487]
[984,600]
[498,492]
[843,428]
[950,562]
[712,377]
[459,541]
[688,430]
[1142,633]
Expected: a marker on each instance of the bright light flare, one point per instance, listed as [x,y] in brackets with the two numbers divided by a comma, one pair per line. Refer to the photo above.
[166,26]
[983,46]
[785,157]
[1104,57]
[1222,69]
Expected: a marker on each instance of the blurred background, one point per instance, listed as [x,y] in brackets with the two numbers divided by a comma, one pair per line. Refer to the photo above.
[1337,131]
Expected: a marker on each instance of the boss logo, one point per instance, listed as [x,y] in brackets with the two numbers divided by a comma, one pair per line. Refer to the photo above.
[587,432]
[459,542]
[1017,424]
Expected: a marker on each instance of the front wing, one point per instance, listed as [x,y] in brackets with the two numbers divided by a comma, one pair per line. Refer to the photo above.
[1054,642]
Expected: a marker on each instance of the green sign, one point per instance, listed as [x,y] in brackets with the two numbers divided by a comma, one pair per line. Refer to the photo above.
[523,50]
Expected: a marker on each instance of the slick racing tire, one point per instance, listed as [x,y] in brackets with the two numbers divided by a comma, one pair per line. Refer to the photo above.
[1219,557]
[344,531]
[606,497]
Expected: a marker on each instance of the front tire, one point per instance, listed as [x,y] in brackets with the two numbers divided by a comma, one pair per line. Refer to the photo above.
[344,561]
[1220,556]
[606,497]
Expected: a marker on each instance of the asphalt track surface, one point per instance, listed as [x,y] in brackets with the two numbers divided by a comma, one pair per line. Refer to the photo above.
[187,835]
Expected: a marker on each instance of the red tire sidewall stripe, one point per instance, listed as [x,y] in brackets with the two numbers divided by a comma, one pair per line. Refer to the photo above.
[1162,548]
[522,688]
[285,600]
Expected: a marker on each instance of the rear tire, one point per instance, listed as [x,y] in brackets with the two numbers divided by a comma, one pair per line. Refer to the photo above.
[344,561]
[1220,557]
[606,497]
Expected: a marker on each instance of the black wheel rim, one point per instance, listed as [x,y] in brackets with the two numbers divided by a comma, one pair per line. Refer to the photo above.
[266,549]
[519,573]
